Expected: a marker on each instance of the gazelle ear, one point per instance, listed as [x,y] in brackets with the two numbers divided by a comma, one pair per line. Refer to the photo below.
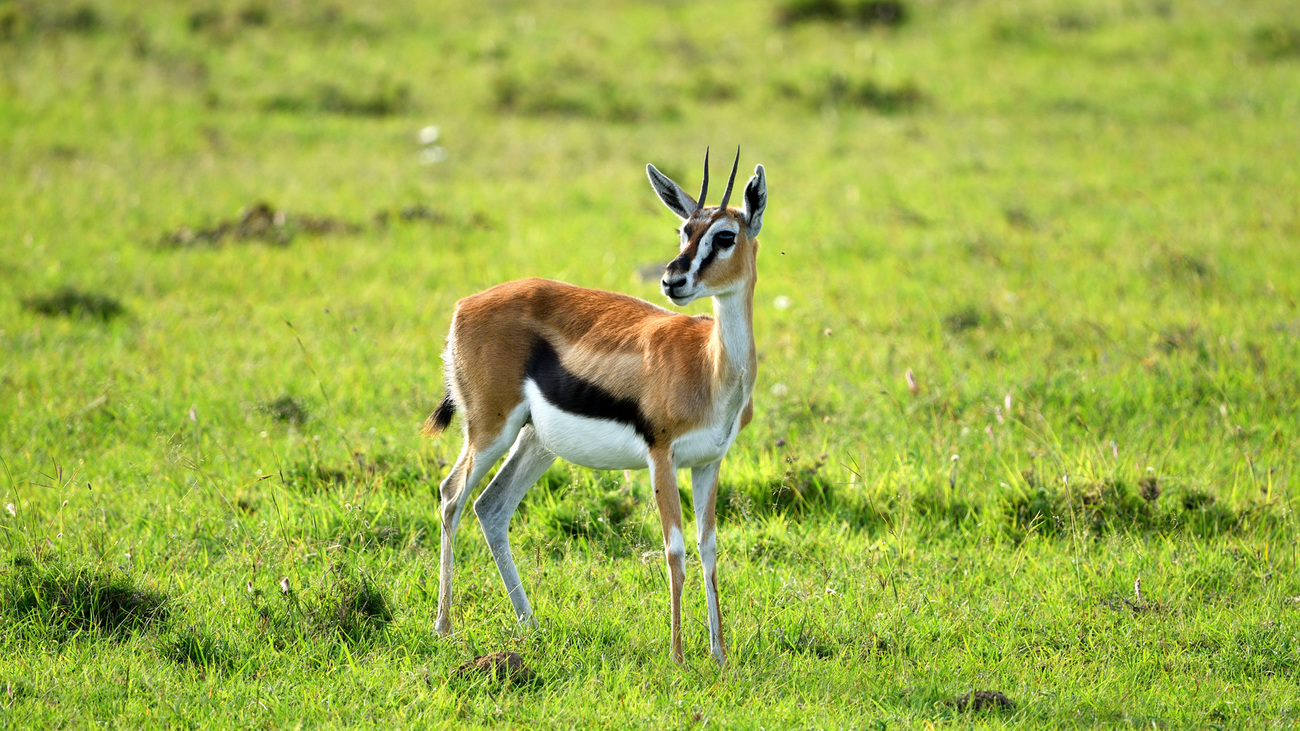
[670,193]
[755,201]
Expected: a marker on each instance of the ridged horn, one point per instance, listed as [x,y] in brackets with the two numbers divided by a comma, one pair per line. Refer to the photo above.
[726,195]
[704,187]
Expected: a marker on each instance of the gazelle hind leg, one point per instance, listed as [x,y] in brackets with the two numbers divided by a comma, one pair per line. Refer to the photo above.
[704,494]
[452,487]
[663,478]
[495,507]
[455,490]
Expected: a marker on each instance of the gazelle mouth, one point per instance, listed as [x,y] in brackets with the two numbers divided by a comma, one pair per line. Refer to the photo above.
[678,298]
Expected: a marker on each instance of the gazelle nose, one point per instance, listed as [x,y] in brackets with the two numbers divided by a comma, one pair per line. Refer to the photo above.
[674,283]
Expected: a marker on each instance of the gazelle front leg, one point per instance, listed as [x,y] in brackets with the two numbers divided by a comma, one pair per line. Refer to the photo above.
[663,478]
[704,494]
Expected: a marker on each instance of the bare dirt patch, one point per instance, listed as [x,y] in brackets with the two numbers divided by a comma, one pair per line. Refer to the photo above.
[980,700]
[504,666]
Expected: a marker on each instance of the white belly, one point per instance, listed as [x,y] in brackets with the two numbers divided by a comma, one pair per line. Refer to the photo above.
[601,444]
[705,445]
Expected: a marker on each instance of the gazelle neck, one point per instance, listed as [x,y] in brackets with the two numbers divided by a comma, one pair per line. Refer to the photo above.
[733,333]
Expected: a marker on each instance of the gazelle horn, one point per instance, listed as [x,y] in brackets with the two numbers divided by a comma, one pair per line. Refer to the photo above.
[704,187]
[726,195]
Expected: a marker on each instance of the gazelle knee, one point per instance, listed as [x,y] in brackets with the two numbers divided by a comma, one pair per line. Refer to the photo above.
[708,555]
[448,504]
[675,548]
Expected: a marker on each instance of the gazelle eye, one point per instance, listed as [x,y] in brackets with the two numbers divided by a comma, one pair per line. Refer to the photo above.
[725,239]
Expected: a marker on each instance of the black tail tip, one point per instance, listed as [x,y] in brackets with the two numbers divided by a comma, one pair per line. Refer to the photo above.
[440,419]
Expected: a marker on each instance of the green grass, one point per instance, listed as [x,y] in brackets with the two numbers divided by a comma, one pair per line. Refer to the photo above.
[1027,324]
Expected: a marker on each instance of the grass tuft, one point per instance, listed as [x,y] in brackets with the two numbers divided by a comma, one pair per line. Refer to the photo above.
[799,489]
[286,409]
[69,301]
[837,90]
[347,606]
[1276,42]
[602,512]
[380,471]
[383,98]
[197,647]
[963,319]
[19,19]
[73,599]
[866,13]
[259,222]
[570,90]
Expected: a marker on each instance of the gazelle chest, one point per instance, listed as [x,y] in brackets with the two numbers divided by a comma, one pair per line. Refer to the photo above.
[711,441]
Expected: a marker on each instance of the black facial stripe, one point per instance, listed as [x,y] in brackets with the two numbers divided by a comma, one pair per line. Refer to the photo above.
[568,392]
[713,251]
[708,258]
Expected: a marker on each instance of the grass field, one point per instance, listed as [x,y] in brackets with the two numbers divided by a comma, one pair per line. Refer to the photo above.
[1027,322]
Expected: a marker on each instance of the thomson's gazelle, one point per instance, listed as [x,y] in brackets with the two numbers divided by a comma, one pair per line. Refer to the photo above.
[545,369]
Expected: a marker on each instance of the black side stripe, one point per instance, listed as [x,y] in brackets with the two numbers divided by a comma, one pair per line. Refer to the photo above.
[575,395]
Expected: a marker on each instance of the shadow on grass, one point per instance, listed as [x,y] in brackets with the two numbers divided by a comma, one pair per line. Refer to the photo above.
[1117,506]
[72,599]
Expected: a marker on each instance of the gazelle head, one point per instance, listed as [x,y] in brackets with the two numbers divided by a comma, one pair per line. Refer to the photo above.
[719,245]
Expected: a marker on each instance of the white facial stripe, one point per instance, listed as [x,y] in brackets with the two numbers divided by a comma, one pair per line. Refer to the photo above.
[701,253]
